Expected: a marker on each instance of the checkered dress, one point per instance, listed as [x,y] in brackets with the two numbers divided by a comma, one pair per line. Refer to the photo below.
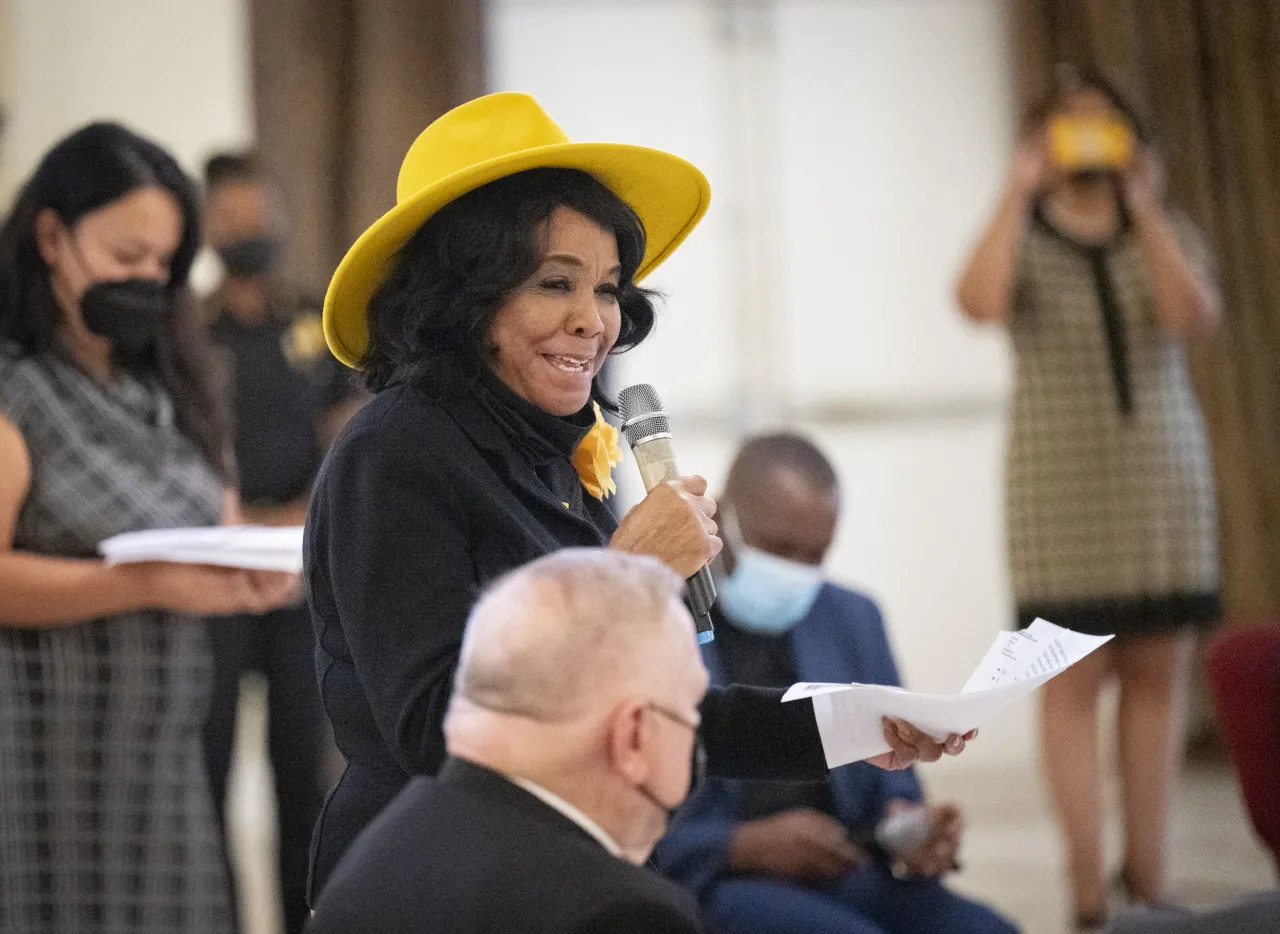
[1110,506]
[106,824]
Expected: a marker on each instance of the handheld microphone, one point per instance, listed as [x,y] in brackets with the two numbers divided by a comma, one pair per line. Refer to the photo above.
[648,430]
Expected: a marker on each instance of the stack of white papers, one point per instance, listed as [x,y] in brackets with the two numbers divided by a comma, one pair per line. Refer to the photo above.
[255,547]
[849,715]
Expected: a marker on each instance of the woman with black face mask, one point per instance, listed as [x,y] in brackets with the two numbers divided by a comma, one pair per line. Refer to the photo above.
[290,396]
[109,422]
[1109,493]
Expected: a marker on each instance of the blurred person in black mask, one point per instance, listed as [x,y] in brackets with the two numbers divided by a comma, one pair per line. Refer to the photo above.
[290,398]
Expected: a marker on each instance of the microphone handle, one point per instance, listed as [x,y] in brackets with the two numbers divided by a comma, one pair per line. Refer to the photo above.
[657,463]
[700,591]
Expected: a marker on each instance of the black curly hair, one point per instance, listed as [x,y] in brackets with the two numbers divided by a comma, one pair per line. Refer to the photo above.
[429,322]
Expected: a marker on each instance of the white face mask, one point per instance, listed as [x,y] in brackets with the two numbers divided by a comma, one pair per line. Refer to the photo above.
[766,594]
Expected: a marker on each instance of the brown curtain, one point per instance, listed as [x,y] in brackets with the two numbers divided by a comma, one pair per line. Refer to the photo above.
[341,89]
[1207,75]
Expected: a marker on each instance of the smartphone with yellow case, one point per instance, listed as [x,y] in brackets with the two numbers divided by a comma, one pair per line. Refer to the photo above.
[1079,144]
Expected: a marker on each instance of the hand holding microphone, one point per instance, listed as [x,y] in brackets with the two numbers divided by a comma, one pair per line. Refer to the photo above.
[674,521]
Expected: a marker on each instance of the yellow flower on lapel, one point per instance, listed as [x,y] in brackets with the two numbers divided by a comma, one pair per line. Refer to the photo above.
[596,456]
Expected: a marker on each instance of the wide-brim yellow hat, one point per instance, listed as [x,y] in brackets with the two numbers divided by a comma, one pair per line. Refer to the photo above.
[479,142]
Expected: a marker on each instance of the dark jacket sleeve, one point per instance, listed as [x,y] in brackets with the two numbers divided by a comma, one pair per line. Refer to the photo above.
[638,918]
[402,581]
[749,733]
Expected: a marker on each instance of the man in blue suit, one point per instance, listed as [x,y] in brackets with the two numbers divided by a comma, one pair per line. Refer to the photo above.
[773,857]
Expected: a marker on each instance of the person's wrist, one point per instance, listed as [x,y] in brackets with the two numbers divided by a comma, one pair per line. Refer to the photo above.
[744,848]
[141,586]
[1142,210]
[621,540]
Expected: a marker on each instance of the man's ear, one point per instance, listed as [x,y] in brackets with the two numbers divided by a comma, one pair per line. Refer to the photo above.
[630,735]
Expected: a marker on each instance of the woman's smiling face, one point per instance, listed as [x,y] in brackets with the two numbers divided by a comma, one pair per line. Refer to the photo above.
[550,339]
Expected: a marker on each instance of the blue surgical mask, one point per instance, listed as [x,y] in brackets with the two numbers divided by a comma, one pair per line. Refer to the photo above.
[766,594]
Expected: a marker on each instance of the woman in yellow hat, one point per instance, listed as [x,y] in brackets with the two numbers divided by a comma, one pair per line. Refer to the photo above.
[480,310]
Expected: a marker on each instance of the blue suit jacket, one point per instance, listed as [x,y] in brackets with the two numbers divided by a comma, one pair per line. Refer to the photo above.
[842,639]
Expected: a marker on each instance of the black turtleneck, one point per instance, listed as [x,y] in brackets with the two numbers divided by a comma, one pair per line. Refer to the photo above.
[546,441]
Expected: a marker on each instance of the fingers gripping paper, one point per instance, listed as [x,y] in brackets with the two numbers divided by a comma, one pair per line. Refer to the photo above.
[849,715]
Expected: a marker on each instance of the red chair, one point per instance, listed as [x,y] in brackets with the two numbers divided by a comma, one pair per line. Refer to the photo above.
[1244,674]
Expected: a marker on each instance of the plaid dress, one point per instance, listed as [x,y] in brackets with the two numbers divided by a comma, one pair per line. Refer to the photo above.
[1110,507]
[106,824]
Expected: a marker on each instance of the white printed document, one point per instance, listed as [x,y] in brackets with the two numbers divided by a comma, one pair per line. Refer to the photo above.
[849,715]
[255,547]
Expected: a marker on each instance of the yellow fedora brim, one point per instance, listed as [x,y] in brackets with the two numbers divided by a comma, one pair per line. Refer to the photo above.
[668,194]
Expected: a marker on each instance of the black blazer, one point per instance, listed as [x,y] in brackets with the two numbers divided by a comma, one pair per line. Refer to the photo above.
[472,853]
[419,505]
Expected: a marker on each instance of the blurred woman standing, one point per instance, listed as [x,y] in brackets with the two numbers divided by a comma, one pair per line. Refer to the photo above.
[109,422]
[1110,505]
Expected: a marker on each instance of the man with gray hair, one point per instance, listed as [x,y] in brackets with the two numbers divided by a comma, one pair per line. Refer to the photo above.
[571,735]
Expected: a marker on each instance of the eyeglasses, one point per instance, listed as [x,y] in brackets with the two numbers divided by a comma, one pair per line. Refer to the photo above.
[673,716]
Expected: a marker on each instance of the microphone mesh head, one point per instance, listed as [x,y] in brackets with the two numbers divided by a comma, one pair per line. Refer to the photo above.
[642,413]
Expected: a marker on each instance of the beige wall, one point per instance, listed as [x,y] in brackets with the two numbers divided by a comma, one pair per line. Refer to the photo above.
[176,70]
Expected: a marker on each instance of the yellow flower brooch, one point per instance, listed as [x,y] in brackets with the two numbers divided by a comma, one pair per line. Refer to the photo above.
[596,456]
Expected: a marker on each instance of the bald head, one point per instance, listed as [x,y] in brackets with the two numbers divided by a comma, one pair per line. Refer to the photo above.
[784,495]
[561,635]
[581,674]
[762,456]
